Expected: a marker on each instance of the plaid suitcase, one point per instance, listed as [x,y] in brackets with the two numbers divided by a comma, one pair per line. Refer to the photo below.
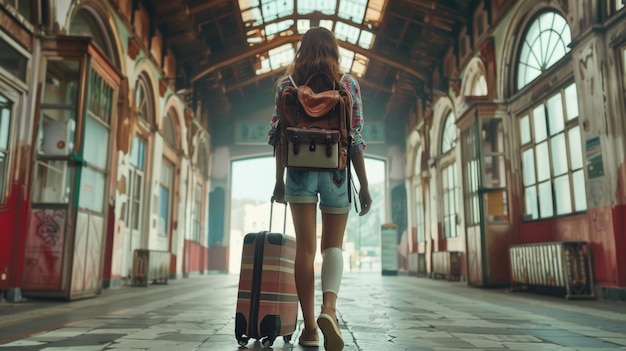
[267,302]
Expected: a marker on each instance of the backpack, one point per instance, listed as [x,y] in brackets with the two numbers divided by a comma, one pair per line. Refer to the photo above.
[314,124]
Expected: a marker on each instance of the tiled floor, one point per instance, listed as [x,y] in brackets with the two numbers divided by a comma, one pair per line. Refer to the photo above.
[375,312]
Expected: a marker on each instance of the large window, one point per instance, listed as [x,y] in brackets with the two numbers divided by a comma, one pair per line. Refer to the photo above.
[24,7]
[419,198]
[144,101]
[203,160]
[471,159]
[550,136]
[97,130]
[196,213]
[56,136]
[165,197]
[169,130]
[419,213]
[5,134]
[614,6]
[135,184]
[552,159]
[449,178]
[546,41]
[623,53]
[450,205]
[12,60]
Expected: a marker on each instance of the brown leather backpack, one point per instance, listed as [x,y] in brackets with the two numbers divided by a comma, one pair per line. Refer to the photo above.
[314,125]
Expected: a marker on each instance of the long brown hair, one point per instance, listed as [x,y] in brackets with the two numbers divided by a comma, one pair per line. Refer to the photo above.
[317,52]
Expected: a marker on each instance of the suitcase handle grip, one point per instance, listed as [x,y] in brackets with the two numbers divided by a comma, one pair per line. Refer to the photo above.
[273,199]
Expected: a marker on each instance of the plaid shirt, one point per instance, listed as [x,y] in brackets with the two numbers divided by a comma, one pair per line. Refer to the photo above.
[351,85]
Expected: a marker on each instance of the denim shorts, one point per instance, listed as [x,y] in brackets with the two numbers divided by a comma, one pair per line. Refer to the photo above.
[332,187]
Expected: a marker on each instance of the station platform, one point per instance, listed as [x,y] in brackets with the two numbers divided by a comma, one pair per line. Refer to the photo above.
[376,313]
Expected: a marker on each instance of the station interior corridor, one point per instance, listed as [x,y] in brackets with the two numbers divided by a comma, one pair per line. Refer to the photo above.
[495,155]
[376,313]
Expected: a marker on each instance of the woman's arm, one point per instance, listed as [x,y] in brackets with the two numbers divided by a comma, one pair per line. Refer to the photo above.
[279,187]
[365,199]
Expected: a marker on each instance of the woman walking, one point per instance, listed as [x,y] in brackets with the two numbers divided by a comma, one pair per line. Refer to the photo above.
[318,52]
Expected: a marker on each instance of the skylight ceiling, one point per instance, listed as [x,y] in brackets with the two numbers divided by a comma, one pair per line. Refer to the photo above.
[350,20]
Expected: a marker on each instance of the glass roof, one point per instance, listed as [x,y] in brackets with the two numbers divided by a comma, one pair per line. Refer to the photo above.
[350,20]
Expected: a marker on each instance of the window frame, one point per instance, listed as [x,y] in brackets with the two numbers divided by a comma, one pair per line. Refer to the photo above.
[528,148]
[135,170]
[96,112]
[169,130]
[524,42]
[31,6]
[169,187]
[143,84]
[449,192]
[472,175]
[5,174]
[622,59]
[196,215]
[535,96]
[418,191]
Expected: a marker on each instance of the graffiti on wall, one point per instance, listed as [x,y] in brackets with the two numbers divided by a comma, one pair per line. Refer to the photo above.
[48,227]
[44,249]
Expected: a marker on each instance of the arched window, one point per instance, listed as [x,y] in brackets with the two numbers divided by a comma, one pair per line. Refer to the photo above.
[474,80]
[85,24]
[550,135]
[203,161]
[169,131]
[449,186]
[546,41]
[448,137]
[144,100]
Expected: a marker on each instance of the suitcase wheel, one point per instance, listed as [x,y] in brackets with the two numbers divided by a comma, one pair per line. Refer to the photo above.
[243,341]
[267,342]
[287,338]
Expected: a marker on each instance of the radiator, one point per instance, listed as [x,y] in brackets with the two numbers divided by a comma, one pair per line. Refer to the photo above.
[413,263]
[150,267]
[421,265]
[566,265]
[447,265]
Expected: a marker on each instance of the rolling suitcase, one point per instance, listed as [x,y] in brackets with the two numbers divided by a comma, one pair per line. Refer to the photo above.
[267,302]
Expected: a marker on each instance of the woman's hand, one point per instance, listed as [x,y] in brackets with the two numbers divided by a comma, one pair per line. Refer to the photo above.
[279,192]
[365,200]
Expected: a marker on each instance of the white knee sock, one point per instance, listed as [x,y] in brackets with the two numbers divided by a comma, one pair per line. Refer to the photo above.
[332,269]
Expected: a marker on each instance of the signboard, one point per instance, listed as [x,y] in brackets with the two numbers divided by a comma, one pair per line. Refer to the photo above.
[373,132]
[595,167]
[389,248]
[251,133]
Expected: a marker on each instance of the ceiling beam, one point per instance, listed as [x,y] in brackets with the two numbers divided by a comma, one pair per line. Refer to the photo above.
[262,48]
[275,75]
[207,5]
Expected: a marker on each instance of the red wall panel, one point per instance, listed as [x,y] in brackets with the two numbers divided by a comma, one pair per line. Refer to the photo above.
[196,257]
[12,224]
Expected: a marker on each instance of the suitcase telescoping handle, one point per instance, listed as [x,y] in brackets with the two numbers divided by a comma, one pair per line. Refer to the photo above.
[272,213]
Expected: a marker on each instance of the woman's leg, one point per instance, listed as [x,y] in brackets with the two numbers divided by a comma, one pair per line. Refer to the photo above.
[306,245]
[333,229]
